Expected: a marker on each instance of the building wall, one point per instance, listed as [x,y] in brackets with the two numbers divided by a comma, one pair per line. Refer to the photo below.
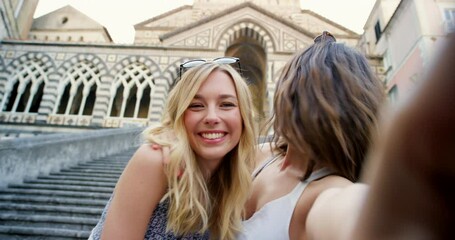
[408,41]
[54,64]
[68,24]
[95,36]
[57,64]
[16,17]
[24,16]
[405,78]
[100,85]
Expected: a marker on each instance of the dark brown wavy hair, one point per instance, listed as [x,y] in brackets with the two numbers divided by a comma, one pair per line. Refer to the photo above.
[326,105]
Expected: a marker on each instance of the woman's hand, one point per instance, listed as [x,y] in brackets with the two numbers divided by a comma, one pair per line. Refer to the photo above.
[165,151]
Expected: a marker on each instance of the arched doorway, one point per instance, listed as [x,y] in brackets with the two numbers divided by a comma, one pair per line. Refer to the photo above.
[253,60]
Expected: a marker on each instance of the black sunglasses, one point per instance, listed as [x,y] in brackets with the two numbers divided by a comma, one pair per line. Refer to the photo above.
[196,62]
[325,36]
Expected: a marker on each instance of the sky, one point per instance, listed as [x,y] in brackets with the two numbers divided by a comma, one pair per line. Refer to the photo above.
[120,16]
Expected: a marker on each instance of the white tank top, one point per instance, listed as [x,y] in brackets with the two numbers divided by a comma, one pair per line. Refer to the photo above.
[273,219]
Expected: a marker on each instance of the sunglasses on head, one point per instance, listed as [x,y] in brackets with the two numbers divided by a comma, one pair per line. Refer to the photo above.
[196,62]
[325,36]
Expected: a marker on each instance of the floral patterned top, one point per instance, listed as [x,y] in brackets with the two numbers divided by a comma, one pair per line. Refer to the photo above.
[156,229]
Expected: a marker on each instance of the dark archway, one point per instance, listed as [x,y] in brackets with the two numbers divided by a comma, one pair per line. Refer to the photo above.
[253,59]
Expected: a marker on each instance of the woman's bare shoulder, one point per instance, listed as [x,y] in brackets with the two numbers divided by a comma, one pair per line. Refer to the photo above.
[332,206]
[148,155]
[146,165]
[332,181]
[137,193]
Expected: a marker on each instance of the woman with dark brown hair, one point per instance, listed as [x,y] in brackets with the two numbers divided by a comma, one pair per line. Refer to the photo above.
[326,107]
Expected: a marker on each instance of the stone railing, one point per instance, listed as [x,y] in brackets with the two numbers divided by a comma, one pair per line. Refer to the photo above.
[28,157]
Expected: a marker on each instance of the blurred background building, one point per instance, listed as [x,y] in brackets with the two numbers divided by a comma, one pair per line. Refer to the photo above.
[65,72]
[405,35]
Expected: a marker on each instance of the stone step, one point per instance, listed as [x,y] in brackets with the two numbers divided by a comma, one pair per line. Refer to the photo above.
[43,221]
[93,171]
[121,157]
[44,209]
[77,174]
[100,166]
[116,170]
[26,233]
[109,161]
[56,193]
[63,188]
[60,205]
[91,174]
[64,201]
[79,178]
[127,152]
[67,182]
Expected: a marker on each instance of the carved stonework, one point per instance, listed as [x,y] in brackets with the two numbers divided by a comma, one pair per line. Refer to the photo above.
[292,44]
[109,85]
[200,40]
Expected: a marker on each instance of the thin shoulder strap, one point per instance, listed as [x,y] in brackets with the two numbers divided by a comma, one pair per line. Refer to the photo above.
[264,165]
[298,190]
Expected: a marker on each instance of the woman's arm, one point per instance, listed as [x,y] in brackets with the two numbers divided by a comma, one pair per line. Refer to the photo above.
[413,169]
[410,173]
[137,193]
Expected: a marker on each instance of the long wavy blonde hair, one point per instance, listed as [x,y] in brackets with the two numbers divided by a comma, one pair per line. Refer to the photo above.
[198,204]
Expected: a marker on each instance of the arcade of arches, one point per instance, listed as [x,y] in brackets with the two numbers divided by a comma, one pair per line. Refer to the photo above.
[111,85]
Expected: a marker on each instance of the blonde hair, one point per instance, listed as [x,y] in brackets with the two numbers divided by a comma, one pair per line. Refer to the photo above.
[196,204]
[327,103]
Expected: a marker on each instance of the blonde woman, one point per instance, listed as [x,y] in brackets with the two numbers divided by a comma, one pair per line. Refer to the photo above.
[198,193]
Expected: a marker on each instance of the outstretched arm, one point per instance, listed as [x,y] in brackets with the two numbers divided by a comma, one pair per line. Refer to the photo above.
[411,171]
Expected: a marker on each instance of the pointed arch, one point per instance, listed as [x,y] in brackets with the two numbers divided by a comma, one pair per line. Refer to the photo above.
[28,74]
[76,91]
[132,89]
[248,29]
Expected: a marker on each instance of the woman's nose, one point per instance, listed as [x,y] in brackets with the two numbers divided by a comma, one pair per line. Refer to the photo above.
[211,117]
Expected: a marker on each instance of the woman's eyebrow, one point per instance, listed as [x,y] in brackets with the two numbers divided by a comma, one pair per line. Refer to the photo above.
[228,96]
[223,96]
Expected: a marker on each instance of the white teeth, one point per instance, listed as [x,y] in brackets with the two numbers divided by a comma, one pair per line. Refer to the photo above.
[212,135]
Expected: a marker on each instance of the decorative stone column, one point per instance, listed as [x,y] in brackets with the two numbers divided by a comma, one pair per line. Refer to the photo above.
[103,95]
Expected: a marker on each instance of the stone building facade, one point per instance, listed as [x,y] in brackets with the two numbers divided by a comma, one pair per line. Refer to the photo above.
[16,18]
[77,84]
[68,24]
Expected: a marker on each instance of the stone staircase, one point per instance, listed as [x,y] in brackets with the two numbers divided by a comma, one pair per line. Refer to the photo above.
[61,205]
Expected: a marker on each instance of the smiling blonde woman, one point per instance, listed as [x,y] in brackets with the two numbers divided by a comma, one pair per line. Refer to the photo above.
[198,193]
